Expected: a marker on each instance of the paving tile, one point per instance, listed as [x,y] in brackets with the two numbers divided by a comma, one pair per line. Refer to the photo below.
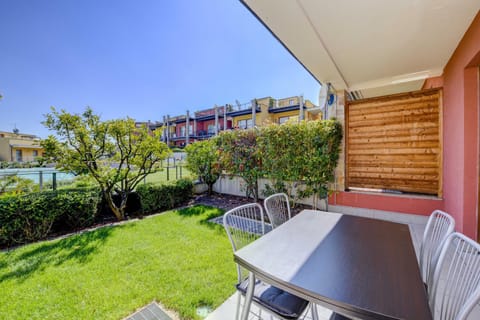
[150,312]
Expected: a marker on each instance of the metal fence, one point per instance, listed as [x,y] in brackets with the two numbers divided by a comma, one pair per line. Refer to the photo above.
[45,178]
[172,168]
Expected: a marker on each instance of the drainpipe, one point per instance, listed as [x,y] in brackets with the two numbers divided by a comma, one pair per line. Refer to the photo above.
[216,120]
[187,128]
[254,112]
[301,114]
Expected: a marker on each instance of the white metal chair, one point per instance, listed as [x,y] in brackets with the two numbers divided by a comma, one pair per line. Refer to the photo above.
[245,224]
[278,209]
[439,226]
[456,280]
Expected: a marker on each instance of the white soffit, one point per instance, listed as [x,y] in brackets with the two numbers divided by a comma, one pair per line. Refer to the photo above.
[369,44]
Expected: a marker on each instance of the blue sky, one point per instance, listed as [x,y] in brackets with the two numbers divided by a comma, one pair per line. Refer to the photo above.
[143,59]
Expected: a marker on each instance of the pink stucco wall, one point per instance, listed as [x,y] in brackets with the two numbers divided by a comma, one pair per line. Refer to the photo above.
[461,104]
[386,202]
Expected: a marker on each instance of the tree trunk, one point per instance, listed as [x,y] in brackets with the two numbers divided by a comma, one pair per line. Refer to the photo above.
[119,214]
[210,189]
[123,203]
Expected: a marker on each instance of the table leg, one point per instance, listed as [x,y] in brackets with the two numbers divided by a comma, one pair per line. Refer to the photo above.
[314,311]
[248,296]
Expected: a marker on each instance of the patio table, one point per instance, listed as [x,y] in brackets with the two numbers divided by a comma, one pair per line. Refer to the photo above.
[358,267]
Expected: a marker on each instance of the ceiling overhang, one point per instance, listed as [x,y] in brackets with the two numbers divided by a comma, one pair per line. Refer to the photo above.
[373,46]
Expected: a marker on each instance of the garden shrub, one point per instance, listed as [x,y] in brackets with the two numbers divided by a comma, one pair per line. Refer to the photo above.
[163,197]
[78,207]
[240,156]
[202,160]
[32,217]
[300,156]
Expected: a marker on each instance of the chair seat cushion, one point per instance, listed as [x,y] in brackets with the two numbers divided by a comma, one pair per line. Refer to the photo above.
[336,316]
[281,302]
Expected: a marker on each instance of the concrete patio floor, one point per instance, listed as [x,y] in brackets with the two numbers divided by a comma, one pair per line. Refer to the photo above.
[417,226]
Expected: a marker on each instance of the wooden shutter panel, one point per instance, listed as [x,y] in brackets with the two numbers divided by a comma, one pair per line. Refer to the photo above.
[394,143]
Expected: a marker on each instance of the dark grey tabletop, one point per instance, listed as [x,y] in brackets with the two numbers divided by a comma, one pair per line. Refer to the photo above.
[360,267]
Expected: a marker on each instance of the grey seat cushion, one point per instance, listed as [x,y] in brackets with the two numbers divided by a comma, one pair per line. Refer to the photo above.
[336,316]
[280,302]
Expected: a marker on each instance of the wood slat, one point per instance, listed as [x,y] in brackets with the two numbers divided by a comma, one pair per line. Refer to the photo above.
[377,158]
[392,121]
[399,111]
[403,151]
[392,127]
[395,98]
[405,186]
[394,143]
[395,170]
[393,176]
[398,139]
[402,132]
[357,165]
[376,109]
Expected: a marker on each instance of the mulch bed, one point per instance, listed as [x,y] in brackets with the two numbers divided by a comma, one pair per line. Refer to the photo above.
[227,202]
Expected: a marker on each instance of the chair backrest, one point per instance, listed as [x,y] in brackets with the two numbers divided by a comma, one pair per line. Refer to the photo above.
[439,226]
[456,280]
[278,209]
[244,224]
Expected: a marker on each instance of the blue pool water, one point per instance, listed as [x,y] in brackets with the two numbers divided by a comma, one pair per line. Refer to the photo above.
[34,174]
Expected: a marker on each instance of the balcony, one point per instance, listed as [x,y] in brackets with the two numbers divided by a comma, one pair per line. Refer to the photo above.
[241,109]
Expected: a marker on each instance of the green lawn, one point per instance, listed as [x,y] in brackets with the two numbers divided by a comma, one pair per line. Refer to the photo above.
[176,258]
[172,174]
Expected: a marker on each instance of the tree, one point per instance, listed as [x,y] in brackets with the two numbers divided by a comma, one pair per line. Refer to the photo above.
[240,156]
[202,160]
[115,153]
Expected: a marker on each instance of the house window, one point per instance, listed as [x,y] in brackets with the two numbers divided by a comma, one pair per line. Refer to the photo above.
[291,102]
[211,129]
[18,155]
[182,131]
[282,120]
[190,130]
[245,124]
[35,153]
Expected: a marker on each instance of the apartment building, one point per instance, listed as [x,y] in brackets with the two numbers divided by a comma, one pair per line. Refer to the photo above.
[184,129]
[19,147]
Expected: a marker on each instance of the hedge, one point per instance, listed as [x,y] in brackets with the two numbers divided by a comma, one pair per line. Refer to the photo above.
[32,217]
[290,154]
[156,198]
[35,216]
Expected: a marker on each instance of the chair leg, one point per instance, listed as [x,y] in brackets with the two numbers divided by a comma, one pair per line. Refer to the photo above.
[314,311]
[248,296]
[239,300]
